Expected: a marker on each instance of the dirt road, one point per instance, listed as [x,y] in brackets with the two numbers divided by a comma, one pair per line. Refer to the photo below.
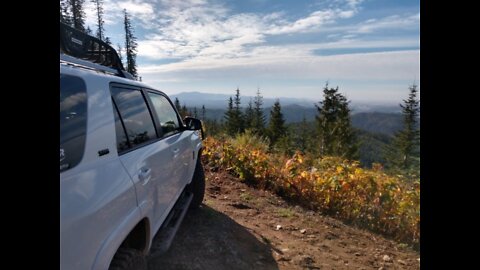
[239,227]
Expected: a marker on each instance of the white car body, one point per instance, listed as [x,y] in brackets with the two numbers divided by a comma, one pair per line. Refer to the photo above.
[106,197]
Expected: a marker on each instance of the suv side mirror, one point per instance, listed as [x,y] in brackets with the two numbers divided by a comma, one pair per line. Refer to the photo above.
[193,124]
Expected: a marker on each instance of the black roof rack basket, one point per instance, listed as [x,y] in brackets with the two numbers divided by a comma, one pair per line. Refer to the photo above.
[83,46]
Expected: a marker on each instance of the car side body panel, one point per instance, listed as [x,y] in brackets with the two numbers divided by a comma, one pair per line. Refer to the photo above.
[97,194]
[105,196]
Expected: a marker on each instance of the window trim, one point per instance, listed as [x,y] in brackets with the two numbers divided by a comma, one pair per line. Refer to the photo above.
[115,109]
[181,126]
[85,131]
[114,106]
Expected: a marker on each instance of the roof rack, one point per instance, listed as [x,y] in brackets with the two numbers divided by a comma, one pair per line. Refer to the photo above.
[80,48]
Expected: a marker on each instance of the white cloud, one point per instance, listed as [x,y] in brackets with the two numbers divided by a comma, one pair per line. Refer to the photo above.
[310,23]
[136,8]
[300,62]
[346,14]
[198,28]
[391,22]
[354,3]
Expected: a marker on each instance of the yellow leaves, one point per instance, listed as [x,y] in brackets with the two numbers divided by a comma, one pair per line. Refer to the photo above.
[331,184]
[289,163]
[345,186]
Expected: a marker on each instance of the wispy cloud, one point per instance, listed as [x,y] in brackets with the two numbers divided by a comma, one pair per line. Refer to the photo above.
[298,61]
[311,23]
[199,28]
[391,22]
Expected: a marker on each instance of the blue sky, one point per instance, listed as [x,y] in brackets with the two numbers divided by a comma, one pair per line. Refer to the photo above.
[370,49]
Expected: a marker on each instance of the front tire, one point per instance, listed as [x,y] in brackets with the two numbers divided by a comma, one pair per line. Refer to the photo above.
[197,186]
[128,259]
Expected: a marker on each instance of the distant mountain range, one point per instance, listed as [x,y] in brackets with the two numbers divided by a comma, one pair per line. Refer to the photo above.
[376,118]
[220,101]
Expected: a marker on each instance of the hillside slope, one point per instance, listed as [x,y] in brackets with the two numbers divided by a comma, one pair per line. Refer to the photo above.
[377,122]
[239,227]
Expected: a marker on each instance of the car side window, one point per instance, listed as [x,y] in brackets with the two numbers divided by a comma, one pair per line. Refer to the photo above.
[73,120]
[135,116]
[165,113]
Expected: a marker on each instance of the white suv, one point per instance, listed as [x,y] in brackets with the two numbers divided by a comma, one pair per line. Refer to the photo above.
[129,166]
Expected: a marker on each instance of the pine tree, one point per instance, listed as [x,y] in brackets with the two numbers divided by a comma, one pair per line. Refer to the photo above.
[78,14]
[204,113]
[303,135]
[119,51]
[230,125]
[337,137]
[88,31]
[238,112]
[404,153]
[258,123]
[195,113]
[234,118]
[177,105]
[249,115]
[130,46]
[100,22]
[276,127]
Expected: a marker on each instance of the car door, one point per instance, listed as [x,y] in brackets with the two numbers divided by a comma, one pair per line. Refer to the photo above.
[176,136]
[146,156]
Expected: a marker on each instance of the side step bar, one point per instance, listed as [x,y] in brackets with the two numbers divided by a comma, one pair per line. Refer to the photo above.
[164,237]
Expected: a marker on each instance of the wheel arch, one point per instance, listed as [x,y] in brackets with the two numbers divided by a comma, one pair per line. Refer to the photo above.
[134,232]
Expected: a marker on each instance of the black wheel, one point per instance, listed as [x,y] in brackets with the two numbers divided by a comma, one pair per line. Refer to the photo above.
[128,259]
[197,186]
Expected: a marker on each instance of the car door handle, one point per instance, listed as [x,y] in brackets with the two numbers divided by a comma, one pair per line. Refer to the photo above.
[145,175]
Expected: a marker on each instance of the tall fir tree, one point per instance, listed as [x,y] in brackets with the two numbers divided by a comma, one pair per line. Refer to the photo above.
[303,135]
[230,124]
[234,119]
[276,127]
[404,152]
[249,115]
[130,46]
[204,113]
[100,22]
[239,118]
[120,54]
[177,105]
[336,134]
[88,31]
[258,123]
[238,112]
[78,14]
